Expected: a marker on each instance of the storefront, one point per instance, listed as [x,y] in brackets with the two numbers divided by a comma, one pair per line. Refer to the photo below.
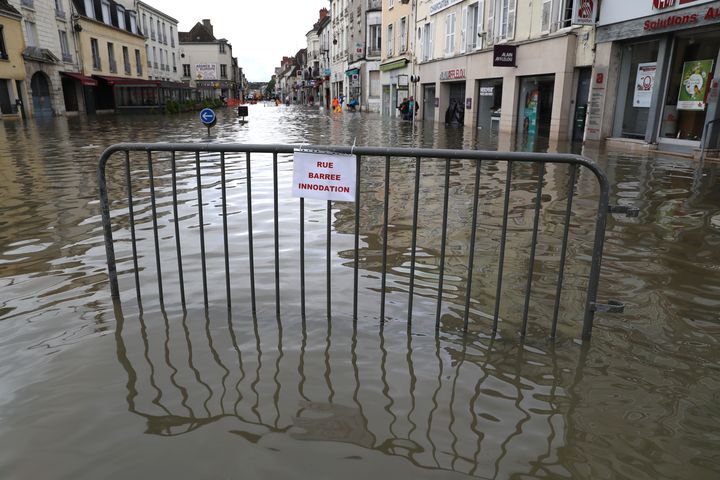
[395,79]
[535,108]
[666,62]
[489,103]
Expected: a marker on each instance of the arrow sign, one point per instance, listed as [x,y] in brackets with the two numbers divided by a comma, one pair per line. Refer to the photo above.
[207,117]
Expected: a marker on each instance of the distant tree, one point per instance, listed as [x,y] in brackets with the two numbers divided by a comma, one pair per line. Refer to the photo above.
[270,89]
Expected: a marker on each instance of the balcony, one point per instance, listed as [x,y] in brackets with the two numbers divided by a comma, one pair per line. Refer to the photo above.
[152,36]
[113,66]
[128,71]
[139,71]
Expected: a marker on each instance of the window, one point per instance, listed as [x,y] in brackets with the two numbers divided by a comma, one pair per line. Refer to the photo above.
[159,38]
[111,57]
[375,39]
[65,46]
[164,30]
[152,29]
[172,37]
[106,12]
[174,64]
[3,52]
[121,17]
[545,16]
[566,13]
[144,26]
[403,35]
[450,34]
[473,26]
[147,55]
[186,69]
[391,3]
[390,41]
[222,47]
[223,71]
[95,47]
[133,22]
[155,57]
[126,60]
[59,10]
[501,19]
[138,62]
[427,42]
[31,34]
[89,9]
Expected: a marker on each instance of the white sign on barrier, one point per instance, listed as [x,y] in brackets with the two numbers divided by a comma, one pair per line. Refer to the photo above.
[324,176]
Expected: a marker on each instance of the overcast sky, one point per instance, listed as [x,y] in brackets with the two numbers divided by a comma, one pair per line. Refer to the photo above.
[261,33]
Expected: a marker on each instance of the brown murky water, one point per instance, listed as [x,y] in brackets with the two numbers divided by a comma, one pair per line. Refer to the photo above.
[95,390]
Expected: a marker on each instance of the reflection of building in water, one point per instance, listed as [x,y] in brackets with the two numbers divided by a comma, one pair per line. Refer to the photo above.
[442,404]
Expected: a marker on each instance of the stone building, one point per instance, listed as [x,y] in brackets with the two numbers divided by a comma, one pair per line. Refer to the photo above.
[12,67]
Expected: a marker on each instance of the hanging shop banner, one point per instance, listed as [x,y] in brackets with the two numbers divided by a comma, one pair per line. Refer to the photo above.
[324,176]
[584,12]
[644,84]
[694,84]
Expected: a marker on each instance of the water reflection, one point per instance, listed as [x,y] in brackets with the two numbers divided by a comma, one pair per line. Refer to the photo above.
[442,403]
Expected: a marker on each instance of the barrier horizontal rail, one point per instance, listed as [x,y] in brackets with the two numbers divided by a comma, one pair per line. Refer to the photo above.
[193,156]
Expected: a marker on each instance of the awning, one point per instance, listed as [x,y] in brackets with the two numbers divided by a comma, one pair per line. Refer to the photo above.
[84,80]
[394,65]
[352,71]
[128,81]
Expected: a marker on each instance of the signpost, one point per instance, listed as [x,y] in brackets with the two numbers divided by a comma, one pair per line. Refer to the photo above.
[208,118]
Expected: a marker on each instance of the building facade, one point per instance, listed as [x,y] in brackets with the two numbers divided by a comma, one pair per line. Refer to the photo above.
[12,66]
[654,80]
[397,63]
[339,48]
[485,63]
[207,62]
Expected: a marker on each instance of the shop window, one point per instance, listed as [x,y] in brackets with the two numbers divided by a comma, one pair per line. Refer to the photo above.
[640,60]
[686,105]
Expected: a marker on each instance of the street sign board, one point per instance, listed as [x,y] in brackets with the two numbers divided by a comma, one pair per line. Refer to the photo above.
[207,117]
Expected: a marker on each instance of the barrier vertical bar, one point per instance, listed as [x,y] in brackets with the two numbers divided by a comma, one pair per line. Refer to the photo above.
[357,237]
[413,241]
[328,257]
[276,230]
[533,248]
[202,226]
[386,220]
[131,212]
[563,251]
[503,238]
[473,233]
[302,257]
[250,232]
[176,217]
[225,229]
[156,236]
[443,243]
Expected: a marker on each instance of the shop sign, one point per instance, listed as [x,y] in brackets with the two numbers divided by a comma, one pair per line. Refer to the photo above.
[644,84]
[504,55]
[663,4]
[596,107]
[694,84]
[454,74]
[324,176]
[206,71]
[487,91]
[468,103]
[441,5]
[584,12]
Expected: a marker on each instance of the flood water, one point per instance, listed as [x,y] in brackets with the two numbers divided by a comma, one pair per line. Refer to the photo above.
[91,389]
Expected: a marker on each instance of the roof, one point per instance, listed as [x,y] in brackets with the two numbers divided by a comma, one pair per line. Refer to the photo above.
[8,10]
[199,33]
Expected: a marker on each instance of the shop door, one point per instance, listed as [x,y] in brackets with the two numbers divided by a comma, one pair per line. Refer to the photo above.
[686,106]
[5,105]
[42,106]
[455,114]
[70,95]
[581,104]
[535,109]
[428,102]
[639,67]
[488,104]
[386,105]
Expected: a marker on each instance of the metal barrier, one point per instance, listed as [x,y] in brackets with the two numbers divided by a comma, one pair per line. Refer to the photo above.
[454,164]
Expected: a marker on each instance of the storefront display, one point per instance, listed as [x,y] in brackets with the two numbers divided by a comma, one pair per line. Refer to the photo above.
[644,84]
[535,108]
[693,87]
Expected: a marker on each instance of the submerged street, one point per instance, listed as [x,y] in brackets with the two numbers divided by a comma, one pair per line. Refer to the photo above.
[96,390]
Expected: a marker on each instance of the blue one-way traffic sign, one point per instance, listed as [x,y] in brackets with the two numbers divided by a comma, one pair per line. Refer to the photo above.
[207,117]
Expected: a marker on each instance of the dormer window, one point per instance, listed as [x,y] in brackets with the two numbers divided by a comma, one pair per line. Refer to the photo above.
[133,22]
[106,12]
[121,17]
[89,9]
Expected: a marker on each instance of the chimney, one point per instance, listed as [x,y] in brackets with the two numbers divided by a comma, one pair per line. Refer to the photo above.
[208,25]
[323,13]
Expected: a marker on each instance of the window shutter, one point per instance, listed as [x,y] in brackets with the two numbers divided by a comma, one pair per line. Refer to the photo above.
[463,30]
[511,19]
[481,24]
[431,52]
[491,23]
[545,16]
